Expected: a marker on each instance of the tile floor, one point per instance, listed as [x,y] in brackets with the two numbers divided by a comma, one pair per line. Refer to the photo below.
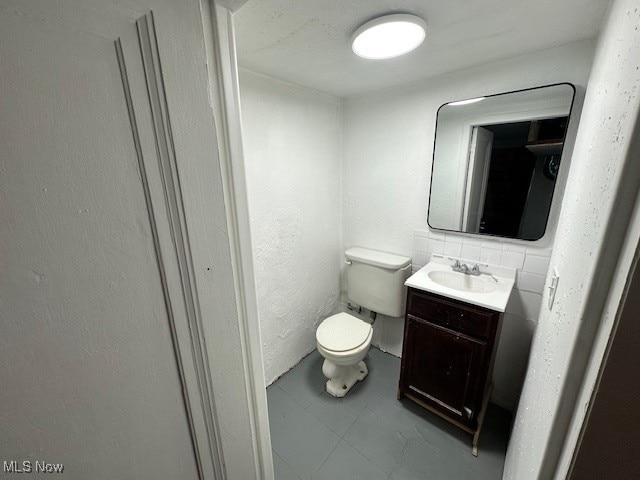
[369,434]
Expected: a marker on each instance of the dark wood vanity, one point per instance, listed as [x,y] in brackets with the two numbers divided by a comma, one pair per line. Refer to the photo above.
[447,358]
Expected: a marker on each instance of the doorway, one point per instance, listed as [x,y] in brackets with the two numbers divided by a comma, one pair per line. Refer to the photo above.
[512,175]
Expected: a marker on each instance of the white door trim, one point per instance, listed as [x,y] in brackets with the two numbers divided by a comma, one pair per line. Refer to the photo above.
[225,98]
[172,197]
[191,350]
[172,244]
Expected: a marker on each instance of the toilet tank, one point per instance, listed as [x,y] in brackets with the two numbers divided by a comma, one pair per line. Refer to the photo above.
[375,280]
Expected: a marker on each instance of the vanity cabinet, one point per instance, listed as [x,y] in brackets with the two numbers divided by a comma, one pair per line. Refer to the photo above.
[447,358]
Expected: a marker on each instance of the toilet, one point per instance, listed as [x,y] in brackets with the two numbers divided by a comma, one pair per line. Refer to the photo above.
[375,281]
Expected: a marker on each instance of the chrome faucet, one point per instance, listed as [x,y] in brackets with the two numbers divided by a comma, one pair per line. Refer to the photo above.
[464,268]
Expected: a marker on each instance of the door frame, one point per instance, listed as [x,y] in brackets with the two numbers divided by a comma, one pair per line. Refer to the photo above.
[584,365]
[234,161]
[220,45]
[471,165]
[208,274]
[196,203]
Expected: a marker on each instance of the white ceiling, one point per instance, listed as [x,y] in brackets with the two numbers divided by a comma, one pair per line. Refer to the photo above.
[307,42]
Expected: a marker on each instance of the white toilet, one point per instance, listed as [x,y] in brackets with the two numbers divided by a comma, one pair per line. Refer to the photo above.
[375,281]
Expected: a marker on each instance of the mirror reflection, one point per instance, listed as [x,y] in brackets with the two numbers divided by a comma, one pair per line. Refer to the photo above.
[496,160]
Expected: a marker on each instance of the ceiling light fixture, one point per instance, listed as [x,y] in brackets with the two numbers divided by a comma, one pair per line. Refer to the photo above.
[388,36]
[467,102]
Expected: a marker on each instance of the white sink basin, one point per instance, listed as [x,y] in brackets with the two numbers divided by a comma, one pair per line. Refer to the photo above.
[462,282]
[491,289]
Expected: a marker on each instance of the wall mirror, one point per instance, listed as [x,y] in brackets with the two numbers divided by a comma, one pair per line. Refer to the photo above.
[496,159]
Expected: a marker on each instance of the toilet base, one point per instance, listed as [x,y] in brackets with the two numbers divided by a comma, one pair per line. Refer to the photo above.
[342,378]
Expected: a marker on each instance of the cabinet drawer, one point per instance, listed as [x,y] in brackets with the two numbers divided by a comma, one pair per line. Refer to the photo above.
[469,320]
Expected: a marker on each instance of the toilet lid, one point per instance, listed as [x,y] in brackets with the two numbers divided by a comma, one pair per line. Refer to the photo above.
[342,332]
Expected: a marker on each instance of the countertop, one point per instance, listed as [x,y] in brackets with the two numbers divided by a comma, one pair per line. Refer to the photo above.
[503,278]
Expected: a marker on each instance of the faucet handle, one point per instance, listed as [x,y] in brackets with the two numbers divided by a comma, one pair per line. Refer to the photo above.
[460,267]
[475,270]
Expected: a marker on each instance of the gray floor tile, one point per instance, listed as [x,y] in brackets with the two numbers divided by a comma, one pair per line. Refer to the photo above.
[493,443]
[456,443]
[314,358]
[305,381]
[397,437]
[381,382]
[417,422]
[352,403]
[377,440]
[384,364]
[383,399]
[296,436]
[346,463]
[282,470]
[335,413]
[422,461]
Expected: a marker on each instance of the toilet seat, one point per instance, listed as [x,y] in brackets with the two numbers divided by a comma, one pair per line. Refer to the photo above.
[343,332]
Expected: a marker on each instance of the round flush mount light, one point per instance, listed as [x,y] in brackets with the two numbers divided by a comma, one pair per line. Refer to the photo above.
[388,36]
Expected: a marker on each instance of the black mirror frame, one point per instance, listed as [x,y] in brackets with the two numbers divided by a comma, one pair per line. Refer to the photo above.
[435,136]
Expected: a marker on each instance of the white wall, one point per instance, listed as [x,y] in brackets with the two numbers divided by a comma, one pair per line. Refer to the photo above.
[388,146]
[596,211]
[292,144]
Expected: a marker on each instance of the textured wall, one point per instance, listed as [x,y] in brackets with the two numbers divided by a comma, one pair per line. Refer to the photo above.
[597,200]
[388,146]
[292,141]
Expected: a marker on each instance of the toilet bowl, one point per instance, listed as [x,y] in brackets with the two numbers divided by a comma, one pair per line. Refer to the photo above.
[343,340]
[375,281]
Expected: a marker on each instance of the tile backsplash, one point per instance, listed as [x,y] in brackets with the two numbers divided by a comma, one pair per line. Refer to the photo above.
[531,262]
[523,309]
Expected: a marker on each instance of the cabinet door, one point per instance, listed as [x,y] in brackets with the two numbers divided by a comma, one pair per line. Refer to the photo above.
[443,369]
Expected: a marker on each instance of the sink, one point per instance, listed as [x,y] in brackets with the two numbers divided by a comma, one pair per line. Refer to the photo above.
[462,282]
[491,289]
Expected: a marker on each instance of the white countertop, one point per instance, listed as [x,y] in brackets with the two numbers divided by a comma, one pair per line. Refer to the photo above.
[502,277]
